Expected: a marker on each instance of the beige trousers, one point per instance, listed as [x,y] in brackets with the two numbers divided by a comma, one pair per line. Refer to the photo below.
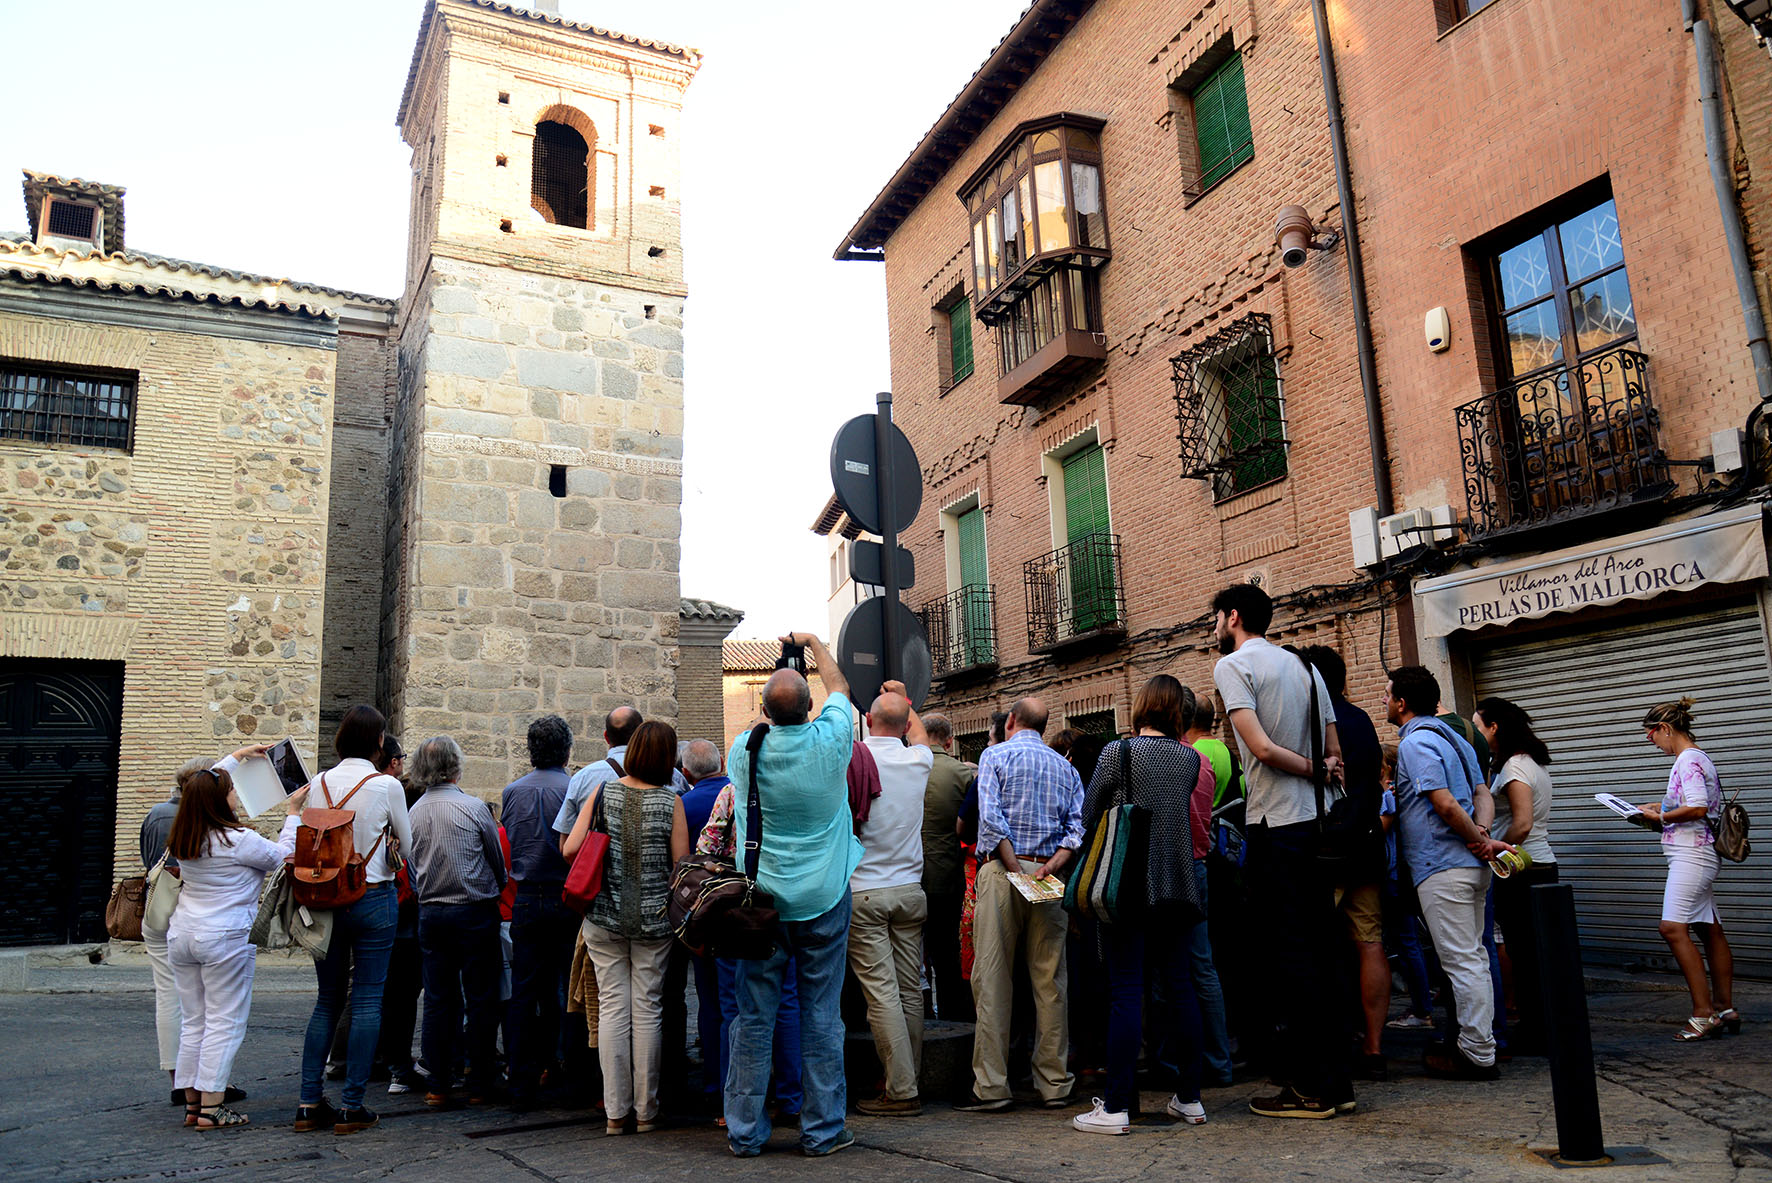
[886,954]
[1001,922]
[630,1020]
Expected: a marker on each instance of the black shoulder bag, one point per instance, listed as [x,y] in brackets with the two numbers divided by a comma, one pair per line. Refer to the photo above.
[1349,842]
[716,906]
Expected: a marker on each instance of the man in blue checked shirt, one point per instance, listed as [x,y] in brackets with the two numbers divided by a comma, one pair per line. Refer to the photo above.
[1030,819]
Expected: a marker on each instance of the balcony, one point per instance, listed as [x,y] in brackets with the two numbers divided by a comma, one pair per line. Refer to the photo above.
[1074,594]
[1563,446]
[962,629]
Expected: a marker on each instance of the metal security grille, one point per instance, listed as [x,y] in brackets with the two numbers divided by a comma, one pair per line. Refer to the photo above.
[1586,692]
[559,182]
[1074,593]
[962,629]
[83,410]
[1231,417]
[1092,722]
[72,219]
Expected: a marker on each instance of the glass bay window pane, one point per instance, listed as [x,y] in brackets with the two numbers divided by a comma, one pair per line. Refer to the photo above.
[1086,193]
[1051,206]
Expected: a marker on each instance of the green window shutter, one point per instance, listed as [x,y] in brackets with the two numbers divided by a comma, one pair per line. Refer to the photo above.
[960,339]
[1221,122]
[1085,493]
[1092,599]
[1256,428]
[972,559]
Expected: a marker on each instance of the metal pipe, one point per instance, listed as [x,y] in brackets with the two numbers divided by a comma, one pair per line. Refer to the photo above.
[1716,147]
[892,658]
[1356,268]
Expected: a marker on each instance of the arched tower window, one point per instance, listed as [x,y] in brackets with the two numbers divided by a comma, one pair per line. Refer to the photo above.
[559,183]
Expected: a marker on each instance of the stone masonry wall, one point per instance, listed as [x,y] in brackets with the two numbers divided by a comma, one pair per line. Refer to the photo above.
[518,600]
[198,559]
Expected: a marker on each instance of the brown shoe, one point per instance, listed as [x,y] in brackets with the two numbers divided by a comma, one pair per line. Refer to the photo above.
[438,1101]
[884,1106]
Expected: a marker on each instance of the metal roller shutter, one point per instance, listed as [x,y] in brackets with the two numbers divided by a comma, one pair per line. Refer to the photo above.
[1586,693]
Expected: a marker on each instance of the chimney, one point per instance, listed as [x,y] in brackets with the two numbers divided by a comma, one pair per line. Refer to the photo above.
[545,7]
[73,214]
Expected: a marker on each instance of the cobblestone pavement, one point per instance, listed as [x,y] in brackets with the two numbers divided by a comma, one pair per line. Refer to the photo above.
[79,1102]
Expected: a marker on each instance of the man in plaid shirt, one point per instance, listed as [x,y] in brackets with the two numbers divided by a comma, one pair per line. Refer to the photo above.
[1030,819]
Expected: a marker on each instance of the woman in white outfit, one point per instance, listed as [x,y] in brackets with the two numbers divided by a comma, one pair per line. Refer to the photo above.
[223,864]
[155,829]
[1688,815]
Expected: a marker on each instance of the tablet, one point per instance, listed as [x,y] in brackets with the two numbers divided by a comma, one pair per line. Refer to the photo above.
[263,782]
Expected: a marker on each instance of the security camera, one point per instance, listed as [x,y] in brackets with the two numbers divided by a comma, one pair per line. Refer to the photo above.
[1294,232]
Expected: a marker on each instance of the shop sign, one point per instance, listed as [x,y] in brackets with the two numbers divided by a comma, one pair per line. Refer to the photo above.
[1727,547]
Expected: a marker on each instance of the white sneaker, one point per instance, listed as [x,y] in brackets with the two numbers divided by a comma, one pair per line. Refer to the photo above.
[1191,1112]
[1099,1121]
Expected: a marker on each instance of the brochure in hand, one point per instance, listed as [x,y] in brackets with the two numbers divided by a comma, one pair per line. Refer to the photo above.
[1627,811]
[1040,891]
[262,782]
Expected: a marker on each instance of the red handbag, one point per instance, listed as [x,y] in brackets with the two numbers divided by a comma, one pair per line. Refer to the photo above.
[585,878]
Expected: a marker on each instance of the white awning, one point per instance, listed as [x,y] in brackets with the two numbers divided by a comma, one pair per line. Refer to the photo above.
[1725,547]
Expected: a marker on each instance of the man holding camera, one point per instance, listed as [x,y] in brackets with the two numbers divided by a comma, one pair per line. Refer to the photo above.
[808,853]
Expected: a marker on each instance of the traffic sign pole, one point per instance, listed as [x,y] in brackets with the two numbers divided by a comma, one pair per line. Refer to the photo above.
[889,529]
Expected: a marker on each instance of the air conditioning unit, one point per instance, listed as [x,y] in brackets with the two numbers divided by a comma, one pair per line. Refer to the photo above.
[1422,526]
[1362,529]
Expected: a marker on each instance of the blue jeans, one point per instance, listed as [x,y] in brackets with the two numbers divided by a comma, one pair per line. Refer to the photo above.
[1215,1036]
[356,964]
[820,949]
[461,956]
[543,929]
[789,1093]
[1495,979]
[1154,950]
[1405,936]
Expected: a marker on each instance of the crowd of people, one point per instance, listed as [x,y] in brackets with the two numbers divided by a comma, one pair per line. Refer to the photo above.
[1274,857]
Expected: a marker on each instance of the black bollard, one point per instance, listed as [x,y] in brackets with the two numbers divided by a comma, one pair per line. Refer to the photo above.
[1573,1088]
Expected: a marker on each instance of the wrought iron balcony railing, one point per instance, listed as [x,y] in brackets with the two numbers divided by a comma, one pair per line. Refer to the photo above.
[962,629]
[1563,445]
[1074,593]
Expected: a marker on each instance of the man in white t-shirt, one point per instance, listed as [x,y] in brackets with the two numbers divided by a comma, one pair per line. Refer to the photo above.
[889,908]
[1267,694]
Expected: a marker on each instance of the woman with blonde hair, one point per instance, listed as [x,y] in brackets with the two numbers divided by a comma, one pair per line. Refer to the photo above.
[1688,816]
[222,865]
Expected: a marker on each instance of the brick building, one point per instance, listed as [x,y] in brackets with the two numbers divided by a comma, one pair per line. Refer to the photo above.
[232,505]
[1079,550]
[1125,395]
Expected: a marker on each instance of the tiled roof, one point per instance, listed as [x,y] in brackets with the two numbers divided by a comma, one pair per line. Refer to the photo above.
[746,657]
[109,198]
[1037,31]
[168,263]
[689,609]
[691,57]
[9,270]
[831,519]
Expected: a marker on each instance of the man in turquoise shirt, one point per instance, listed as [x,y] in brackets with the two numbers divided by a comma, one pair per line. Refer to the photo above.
[808,852]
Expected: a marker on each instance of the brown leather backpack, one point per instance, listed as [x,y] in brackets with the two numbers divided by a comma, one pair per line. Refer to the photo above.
[326,871]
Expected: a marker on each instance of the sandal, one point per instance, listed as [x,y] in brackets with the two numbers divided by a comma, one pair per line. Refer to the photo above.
[192,1108]
[220,1117]
[1697,1027]
[1731,1019]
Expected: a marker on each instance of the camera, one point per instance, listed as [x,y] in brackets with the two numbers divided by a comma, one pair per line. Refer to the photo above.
[793,657]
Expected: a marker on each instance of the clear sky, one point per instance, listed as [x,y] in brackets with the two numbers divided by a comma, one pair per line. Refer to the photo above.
[260,135]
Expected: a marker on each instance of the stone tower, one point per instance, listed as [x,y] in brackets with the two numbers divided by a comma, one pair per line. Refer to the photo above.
[535,465]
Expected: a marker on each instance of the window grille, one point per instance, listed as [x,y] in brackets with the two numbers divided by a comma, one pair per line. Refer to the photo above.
[72,219]
[1229,409]
[559,183]
[52,406]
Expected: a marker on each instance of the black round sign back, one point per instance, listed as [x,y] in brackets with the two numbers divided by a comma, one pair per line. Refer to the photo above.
[853,476]
[861,647]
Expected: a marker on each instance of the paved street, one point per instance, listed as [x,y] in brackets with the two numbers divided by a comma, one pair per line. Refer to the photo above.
[78,1102]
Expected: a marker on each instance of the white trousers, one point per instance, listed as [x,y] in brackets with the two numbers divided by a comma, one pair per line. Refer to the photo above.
[165,998]
[214,975]
[1452,905]
[630,1020]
